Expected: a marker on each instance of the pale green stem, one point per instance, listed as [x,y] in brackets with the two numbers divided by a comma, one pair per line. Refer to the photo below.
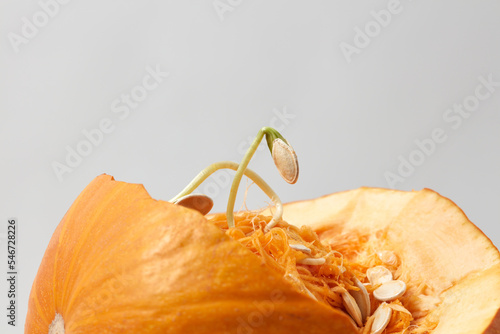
[239,173]
[204,174]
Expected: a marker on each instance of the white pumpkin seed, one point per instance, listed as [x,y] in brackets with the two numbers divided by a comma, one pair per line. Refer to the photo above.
[362,299]
[382,316]
[388,257]
[312,261]
[285,160]
[352,308]
[379,275]
[390,291]
[301,248]
[199,202]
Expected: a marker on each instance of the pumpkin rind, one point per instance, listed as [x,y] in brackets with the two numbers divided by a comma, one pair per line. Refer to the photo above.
[120,262]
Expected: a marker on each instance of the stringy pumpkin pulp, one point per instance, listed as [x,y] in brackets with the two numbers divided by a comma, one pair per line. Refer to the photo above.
[346,257]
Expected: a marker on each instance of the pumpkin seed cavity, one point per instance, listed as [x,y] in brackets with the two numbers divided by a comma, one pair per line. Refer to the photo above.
[323,274]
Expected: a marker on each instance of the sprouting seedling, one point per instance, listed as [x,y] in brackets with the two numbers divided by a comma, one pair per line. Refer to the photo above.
[284,158]
[204,174]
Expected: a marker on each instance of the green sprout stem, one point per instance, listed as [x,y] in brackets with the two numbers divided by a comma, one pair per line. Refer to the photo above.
[204,174]
[270,134]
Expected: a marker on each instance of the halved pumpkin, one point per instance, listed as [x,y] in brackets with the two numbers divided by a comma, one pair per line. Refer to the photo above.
[122,262]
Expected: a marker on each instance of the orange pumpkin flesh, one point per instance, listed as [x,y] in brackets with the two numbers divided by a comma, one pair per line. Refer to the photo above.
[122,262]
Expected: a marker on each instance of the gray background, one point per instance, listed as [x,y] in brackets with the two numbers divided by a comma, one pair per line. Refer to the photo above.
[258,63]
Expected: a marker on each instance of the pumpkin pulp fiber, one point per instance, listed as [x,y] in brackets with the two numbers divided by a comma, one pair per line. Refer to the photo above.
[325,282]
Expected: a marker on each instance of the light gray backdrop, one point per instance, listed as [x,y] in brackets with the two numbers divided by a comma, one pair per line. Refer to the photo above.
[380,93]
